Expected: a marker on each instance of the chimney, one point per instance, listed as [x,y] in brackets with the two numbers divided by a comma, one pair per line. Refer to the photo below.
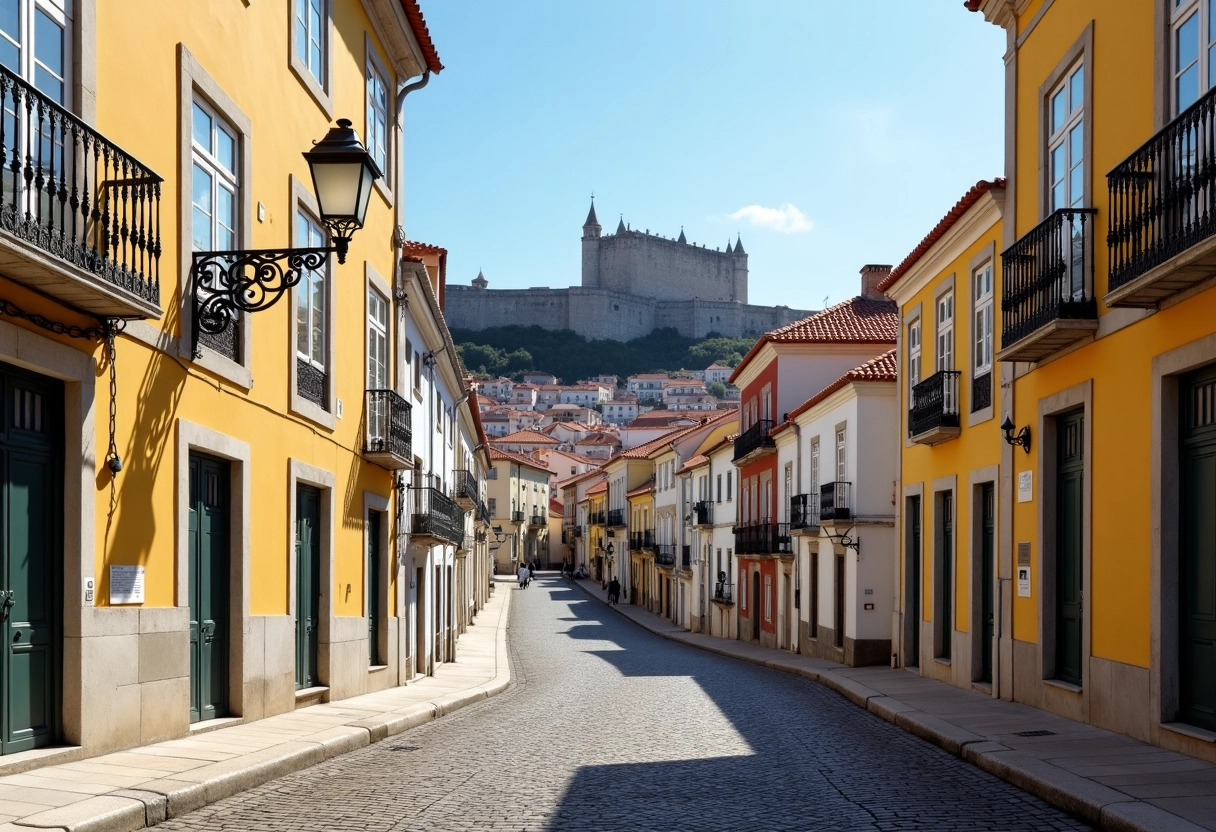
[871,276]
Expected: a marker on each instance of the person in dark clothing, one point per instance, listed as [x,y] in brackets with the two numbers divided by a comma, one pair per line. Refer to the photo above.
[614,591]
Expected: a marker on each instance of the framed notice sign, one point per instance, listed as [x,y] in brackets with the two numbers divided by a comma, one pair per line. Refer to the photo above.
[126,584]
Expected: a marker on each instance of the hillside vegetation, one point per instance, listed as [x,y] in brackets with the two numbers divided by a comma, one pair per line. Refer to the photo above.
[513,350]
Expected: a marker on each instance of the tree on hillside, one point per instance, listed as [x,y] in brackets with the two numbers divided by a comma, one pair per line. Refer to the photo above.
[717,390]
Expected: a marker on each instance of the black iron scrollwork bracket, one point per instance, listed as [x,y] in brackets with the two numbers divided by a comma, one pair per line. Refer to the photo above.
[227,283]
[847,540]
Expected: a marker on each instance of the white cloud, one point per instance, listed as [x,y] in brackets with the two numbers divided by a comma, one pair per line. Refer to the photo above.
[785,218]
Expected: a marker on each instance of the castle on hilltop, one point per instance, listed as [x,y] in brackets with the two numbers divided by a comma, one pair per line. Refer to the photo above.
[633,282]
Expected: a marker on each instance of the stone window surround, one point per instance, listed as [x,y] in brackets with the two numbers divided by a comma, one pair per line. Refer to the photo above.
[989,475]
[1081,52]
[302,199]
[373,282]
[319,89]
[194,437]
[1049,407]
[384,185]
[985,255]
[942,486]
[909,627]
[914,314]
[945,287]
[381,504]
[301,473]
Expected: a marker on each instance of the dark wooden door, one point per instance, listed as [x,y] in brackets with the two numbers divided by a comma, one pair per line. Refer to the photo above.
[207,579]
[914,573]
[308,584]
[31,553]
[945,552]
[755,610]
[838,623]
[1069,519]
[1197,569]
[987,512]
[373,587]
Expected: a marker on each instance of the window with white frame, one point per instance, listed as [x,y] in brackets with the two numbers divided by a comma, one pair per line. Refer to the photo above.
[377,116]
[213,180]
[377,341]
[34,44]
[1193,51]
[913,357]
[768,598]
[841,457]
[945,331]
[1066,140]
[311,321]
[310,28]
[815,471]
[982,292]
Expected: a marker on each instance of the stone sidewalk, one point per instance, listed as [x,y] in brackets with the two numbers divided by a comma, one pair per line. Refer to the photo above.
[1109,780]
[141,787]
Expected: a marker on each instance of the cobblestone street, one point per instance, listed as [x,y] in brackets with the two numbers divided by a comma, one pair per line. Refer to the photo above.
[607,726]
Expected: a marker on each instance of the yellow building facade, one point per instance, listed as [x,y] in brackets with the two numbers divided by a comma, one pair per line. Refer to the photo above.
[223,525]
[1106,349]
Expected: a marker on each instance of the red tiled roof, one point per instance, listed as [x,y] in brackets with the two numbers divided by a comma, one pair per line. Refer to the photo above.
[423,35]
[879,368]
[644,488]
[858,320]
[498,455]
[696,462]
[413,248]
[530,437]
[952,216]
[972,5]
[598,488]
[556,506]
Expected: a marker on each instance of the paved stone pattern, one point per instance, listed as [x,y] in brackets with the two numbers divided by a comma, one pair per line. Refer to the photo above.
[608,727]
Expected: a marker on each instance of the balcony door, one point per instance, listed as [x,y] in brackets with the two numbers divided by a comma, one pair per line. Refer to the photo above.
[208,587]
[987,517]
[308,584]
[1066,171]
[1197,570]
[1069,534]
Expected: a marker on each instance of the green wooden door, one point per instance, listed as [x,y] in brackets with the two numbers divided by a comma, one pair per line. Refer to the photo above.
[1197,569]
[208,587]
[373,587]
[914,568]
[946,565]
[1070,433]
[31,511]
[987,511]
[308,584]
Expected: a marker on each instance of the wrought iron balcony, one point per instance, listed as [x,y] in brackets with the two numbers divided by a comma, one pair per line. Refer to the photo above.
[981,391]
[578,531]
[804,512]
[755,442]
[642,540]
[835,501]
[483,513]
[724,593]
[465,489]
[665,554]
[1161,231]
[934,414]
[435,517]
[1047,297]
[596,518]
[517,517]
[387,440]
[686,556]
[703,513]
[79,216]
[763,538]
[616,517]
[538,520]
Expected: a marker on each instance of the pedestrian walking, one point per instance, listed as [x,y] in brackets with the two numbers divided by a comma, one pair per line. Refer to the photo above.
[523,576]
[614,591]
[529,573]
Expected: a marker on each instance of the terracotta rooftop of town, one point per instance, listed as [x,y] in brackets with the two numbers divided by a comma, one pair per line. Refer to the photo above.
[598,488]
[879,368]
[528,437]
[415,248]
[696,462]
[417,22]
[498,455]
[644,488]
[858,320]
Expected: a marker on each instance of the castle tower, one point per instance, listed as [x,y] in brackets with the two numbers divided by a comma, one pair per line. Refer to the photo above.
[591,249]
[740,259]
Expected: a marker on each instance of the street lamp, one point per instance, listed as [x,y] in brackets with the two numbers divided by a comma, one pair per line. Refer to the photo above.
[227,283]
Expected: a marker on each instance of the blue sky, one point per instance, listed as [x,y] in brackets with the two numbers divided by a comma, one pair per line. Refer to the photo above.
[852,127]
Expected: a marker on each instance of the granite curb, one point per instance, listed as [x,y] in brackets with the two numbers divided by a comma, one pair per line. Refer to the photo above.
[158,799]
[1101,806]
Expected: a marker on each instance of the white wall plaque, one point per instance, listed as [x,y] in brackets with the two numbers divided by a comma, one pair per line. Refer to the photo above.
[88,592]
[1025,486]
[1023,581]
[126,584]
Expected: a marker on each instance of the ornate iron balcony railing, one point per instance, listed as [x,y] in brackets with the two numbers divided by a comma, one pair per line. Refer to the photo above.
[835,501]
[665,554]
[804,511]
[754,438]
[935,403]
[72,193]
[388,438]
[616,517]
[981,391]
[763,538]
[724,593]
[435,514]
[465,486]
[1163,196]
[642,540]
[539,520]
[1048,275]
[517,517]
[703,513]
[597,518]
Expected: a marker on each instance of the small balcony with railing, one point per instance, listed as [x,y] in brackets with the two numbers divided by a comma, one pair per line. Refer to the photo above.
[703,513]
[465,489]
[79,216]
[665,554]
[933,417]
[804,514]
[755,442]
[724,593]
[616,517]
[435,518]
[387,439]
[538,520]
[641,540]
[517,517]
[596,518]
[686,556]
[1047,298]
[1161,229]
[763,538]
[835,502]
